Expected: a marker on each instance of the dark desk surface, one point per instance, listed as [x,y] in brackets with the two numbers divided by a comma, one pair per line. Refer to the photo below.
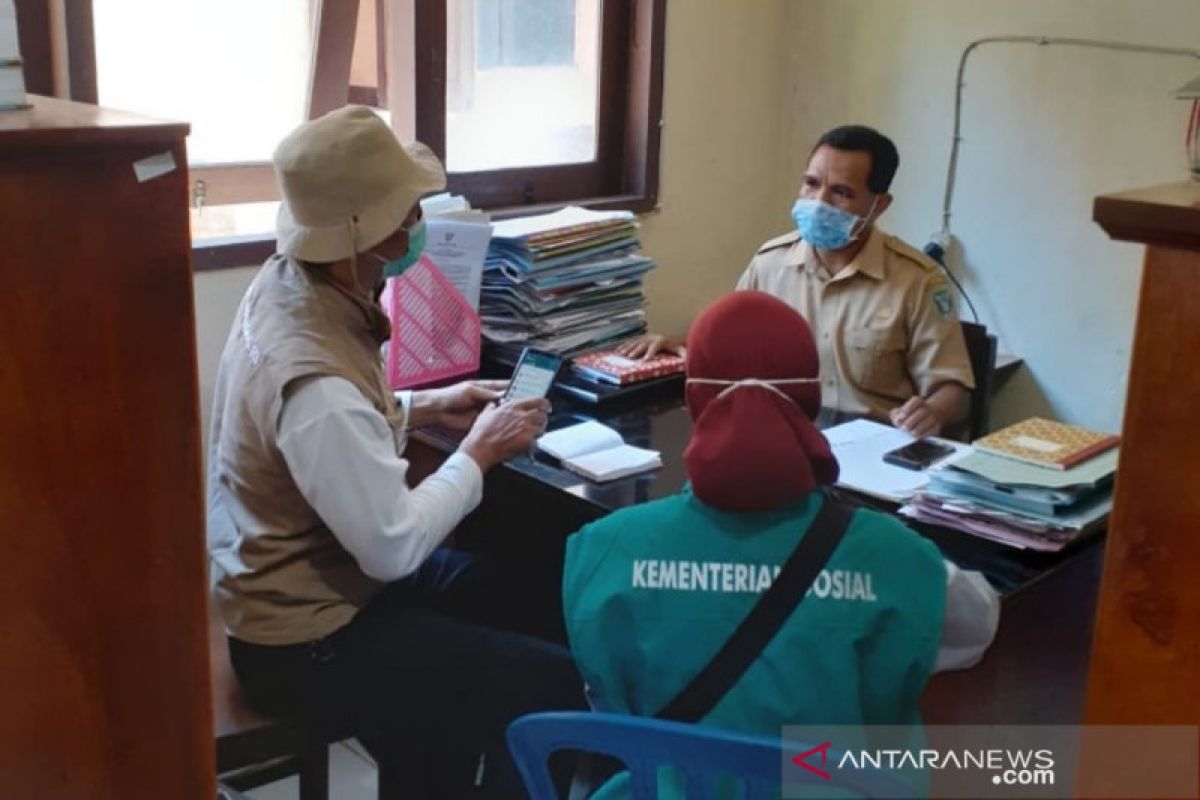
[662,425]
[665,426]
[1035,671]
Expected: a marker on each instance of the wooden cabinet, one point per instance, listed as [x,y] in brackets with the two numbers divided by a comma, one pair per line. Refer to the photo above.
[1145,665]
[103,660]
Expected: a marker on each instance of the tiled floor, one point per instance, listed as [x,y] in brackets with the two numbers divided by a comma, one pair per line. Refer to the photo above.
[351,777]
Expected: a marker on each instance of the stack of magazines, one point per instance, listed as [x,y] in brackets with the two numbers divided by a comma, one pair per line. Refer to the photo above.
[1038,484]
[568,283]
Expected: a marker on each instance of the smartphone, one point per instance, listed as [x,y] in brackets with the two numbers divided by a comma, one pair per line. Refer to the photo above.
[533,376]
[918,455]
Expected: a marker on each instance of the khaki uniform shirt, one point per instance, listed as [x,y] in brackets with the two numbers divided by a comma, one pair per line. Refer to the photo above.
[885,325]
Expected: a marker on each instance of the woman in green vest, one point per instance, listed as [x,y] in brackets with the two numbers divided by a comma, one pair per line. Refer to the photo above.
[651,592]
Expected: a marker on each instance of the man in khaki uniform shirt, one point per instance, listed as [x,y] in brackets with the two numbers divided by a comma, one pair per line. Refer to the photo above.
[890,343]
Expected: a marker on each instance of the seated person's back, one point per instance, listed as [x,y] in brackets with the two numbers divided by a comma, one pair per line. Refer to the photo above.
[652,592]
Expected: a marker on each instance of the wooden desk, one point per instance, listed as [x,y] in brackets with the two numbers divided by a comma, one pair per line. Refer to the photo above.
[561,501]
[1034,673]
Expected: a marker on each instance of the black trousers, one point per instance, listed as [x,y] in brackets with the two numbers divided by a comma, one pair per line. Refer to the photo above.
[431,672]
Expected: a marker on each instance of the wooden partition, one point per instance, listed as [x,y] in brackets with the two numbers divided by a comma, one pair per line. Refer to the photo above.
[1145,665]
[103,662]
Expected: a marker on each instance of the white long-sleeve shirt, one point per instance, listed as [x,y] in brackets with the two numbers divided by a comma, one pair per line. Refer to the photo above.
[341,453]
[972,615]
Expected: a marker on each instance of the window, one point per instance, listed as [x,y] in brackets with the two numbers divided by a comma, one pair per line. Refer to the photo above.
[237,71]
[538,102]
[528,102]
[521,83]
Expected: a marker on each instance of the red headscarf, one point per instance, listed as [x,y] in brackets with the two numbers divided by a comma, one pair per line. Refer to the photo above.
[753,449]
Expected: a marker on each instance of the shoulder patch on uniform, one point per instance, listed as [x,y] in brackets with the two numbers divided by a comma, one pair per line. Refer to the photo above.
[943,302]
[909,253]
[779,241]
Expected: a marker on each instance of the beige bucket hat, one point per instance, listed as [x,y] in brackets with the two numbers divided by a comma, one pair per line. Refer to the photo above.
[347,184]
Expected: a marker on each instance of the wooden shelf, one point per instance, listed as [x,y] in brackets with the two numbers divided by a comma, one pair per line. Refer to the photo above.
[51,123]
[104,680]
[1167,215]
[1146,653]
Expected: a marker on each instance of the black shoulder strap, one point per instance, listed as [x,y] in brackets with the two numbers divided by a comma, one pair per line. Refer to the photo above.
[765,619]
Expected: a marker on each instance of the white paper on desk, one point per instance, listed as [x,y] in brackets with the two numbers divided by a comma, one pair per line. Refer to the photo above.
[859,446]
[459,247]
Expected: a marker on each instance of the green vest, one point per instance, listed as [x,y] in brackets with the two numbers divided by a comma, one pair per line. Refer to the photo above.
[650,593]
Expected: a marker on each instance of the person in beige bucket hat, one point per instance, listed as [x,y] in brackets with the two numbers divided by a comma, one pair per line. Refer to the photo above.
[348,185]
[340,605]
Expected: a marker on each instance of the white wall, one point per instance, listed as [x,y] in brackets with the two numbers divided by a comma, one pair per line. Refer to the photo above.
[217,296]
[727,121]
[1045,129]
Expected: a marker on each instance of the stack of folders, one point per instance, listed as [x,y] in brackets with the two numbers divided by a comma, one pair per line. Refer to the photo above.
[568,282]
[1037,485]
[12,79]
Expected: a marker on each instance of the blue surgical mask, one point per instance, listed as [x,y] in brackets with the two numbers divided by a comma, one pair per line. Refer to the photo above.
[416,245]
[823,226]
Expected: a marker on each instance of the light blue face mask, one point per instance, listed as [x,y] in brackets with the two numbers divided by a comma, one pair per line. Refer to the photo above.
[416,245]
[823,226]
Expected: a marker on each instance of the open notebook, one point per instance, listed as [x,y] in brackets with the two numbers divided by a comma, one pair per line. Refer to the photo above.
[597,452]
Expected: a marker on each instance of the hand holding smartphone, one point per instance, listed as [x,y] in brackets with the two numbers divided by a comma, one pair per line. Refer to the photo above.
[533,376]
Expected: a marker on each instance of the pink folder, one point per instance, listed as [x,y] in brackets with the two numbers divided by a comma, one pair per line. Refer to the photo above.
[435,332]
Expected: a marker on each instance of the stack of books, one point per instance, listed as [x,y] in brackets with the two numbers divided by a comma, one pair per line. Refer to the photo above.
[568,283]
[1037,484]
[12,79]
[608,366]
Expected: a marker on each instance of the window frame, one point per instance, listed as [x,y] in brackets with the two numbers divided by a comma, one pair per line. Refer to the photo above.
[625,173]
[230,183]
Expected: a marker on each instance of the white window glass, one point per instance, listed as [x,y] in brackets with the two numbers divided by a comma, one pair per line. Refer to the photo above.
[521,82]
[237,70]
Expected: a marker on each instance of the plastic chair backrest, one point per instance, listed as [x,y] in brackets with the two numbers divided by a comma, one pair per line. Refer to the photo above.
[701,754]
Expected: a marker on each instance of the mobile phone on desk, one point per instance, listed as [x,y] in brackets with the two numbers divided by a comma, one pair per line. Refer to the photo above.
[918,455]
[533,376]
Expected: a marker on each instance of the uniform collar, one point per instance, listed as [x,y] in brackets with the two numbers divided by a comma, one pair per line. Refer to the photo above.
[869,260]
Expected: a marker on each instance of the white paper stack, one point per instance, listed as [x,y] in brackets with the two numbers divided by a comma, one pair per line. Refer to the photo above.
[859,446]
[457,238]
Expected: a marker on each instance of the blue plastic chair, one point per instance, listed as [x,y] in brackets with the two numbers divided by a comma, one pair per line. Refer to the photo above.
[700,754]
